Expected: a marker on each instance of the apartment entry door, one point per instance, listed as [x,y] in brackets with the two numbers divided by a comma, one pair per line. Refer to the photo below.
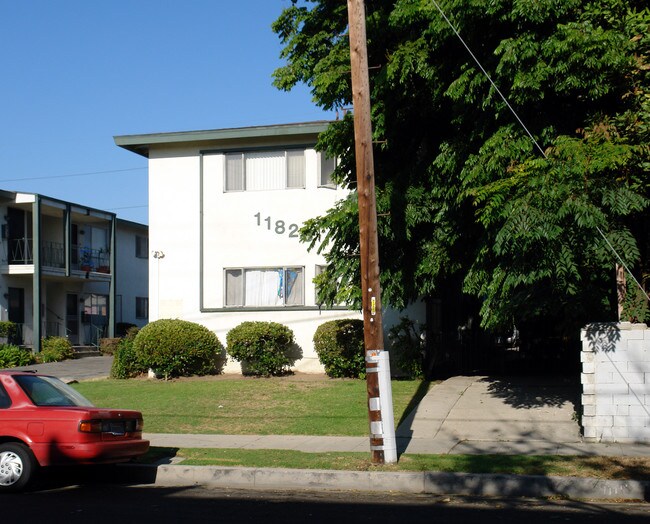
[94,317]
[72,310]
[16,312]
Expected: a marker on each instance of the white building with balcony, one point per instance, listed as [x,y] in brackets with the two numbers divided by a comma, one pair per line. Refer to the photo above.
[85,268]
[225,208]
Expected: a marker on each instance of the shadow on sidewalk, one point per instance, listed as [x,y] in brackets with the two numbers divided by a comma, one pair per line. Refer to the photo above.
[419,394]
[535,392]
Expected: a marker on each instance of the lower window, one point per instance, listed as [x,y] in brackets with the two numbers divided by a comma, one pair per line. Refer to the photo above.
[264,287]
[141,307]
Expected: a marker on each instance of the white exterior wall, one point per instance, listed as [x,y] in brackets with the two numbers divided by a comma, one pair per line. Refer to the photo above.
[231,238]
[174,232]
[616,382]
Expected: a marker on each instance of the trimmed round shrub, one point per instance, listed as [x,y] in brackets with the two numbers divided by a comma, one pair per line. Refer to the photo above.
[125,361]
[178,348]
[340,348]
[56,349]
[262,348]
[12,356]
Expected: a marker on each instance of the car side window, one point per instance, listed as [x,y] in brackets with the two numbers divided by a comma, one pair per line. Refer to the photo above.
[5,401]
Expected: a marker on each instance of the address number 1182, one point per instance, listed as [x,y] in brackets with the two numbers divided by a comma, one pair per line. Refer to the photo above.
[279,227]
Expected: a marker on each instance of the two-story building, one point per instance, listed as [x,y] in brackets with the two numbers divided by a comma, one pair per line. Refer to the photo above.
[225,208]
[85,268]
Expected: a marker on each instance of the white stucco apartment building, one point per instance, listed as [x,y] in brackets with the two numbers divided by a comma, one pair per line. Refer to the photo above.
[225,207]
[85,267]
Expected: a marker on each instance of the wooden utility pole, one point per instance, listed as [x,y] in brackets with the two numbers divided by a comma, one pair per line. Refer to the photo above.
[380,409]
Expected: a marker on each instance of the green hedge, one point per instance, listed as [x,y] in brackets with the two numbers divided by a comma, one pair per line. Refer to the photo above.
[12,356]
[122,328]
[407,352]
[176,348]
[7,329]
[56,349]
[262,348]
[108,346]
[340,348]
[125,361]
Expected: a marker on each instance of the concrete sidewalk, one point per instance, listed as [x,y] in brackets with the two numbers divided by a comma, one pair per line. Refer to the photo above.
[87,368]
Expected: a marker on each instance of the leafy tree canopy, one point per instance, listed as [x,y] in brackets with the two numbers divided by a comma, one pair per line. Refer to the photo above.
[463,192]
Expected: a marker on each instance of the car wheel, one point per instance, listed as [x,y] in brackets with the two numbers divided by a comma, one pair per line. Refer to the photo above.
[16,466]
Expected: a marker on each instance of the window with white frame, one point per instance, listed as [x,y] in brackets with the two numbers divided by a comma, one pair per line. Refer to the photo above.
[265,170]
[326,166]
[264,287]
[141,307]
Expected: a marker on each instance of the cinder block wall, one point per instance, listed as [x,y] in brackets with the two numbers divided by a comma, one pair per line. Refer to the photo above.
[616,382]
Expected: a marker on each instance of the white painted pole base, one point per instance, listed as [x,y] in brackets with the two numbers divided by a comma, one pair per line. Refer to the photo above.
[386,402]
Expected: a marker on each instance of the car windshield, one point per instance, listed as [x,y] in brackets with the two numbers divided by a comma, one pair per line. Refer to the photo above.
[50,391]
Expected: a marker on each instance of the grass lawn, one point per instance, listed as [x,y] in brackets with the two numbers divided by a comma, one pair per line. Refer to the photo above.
[310,405]
[637,468]
[294,405]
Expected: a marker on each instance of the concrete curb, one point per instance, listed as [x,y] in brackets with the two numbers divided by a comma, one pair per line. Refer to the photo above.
[428,482]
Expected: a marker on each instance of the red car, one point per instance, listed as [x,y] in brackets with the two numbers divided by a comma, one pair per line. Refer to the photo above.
[45,422]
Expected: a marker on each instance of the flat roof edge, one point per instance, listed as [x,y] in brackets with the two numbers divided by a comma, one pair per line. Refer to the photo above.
[140,143]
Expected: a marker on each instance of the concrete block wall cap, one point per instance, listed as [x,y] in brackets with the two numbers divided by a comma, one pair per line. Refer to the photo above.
[619,325]
[630,325]
[592,325]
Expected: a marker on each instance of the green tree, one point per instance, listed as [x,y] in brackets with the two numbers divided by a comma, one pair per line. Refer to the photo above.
[466,199]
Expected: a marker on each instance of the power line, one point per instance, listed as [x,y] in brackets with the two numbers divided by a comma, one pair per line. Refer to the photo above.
[453,28]
[478,63]
[73,175]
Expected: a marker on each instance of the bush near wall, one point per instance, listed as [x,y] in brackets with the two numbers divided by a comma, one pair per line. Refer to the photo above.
[108,346]
[177,348]
[12,356]
[340,348]
[122,328]
[125,361]
[7,329]
[407,352]
[262,348]
[55,349]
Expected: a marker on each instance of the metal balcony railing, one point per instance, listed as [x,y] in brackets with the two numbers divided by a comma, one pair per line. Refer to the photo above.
[88,259]
[20,250]
[53,255]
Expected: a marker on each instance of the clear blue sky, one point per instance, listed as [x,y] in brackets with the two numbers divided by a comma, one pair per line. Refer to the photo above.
[77,72]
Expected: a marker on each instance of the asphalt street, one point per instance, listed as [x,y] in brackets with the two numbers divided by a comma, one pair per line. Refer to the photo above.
[109,503]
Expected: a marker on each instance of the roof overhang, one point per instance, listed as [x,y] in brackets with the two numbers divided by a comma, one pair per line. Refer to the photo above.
[141,144]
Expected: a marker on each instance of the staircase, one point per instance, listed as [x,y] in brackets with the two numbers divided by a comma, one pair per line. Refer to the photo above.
[86,351]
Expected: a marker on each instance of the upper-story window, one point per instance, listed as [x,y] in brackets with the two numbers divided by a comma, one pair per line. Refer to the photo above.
[141,247]
[265,170]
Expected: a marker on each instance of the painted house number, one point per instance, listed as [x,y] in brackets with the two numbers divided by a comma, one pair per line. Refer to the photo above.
[279,226]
